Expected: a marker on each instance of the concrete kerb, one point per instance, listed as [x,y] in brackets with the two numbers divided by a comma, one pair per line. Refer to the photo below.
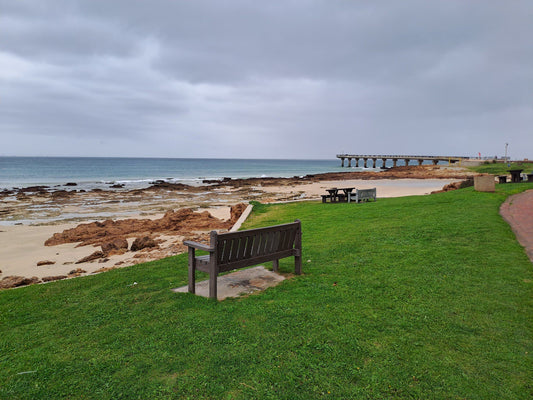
[242,218]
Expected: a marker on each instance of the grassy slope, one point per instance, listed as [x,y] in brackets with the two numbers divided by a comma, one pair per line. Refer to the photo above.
[418,297]
[503,169]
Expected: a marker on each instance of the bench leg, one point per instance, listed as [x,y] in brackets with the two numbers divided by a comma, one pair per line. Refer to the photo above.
[213,285]
[192,270]
[298,265]
[275,265]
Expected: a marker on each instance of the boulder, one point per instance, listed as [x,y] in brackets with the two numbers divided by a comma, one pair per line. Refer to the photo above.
[76,272]
[45,262]
[143,243]
[96,255]
[16,281]
[118,245]
[54,278]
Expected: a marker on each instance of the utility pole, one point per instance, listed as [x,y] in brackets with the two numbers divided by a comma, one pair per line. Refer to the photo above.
[506,160]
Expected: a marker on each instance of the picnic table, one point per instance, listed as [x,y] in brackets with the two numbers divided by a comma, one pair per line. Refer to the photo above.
[335,197]
[515,175]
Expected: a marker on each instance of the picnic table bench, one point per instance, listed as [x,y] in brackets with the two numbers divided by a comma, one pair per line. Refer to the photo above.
[232,250]
[360,195]
[515,175]
[365,195]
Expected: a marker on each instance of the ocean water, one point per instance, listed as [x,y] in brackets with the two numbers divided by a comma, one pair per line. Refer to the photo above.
[92,172]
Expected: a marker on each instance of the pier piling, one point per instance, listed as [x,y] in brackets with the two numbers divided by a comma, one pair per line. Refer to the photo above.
[420,159]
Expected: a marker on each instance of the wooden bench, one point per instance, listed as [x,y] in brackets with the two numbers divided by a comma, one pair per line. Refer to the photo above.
[232,250]
[365,195]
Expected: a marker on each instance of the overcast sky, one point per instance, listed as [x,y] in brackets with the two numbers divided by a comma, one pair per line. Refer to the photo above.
[267,79]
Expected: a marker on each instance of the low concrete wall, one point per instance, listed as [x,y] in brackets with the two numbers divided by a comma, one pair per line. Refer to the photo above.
[484,183]
[242,218]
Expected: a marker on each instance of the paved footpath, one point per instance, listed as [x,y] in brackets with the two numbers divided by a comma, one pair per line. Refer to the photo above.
[517,210]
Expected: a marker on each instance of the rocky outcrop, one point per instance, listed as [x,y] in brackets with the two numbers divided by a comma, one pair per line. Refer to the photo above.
[61,194]
[181,222]
[16,281]
[54,278]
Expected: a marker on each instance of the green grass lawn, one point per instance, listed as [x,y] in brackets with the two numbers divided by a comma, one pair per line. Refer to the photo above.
[426,297]
[502,168]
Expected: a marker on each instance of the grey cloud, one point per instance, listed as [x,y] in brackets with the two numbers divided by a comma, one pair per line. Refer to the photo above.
[323,76]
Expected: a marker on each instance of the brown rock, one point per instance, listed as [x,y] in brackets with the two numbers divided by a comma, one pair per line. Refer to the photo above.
[54,278]
[45,262]
[60,193]
[96,255]
[143,243]
[16,281]
[115,245]
[76,272]
[172,223]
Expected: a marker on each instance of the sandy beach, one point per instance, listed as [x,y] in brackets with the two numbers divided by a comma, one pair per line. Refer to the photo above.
[28,219]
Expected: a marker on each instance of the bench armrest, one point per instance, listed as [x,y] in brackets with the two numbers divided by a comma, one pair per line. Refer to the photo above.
[198,246]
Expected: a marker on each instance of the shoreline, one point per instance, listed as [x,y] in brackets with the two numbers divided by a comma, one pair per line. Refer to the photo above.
[40,205]
[46,214]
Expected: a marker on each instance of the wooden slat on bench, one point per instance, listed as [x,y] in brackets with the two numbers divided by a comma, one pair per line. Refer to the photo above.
[236,246]
[222,247]
[268,238]
[255,260]
[240,251]
[287,241]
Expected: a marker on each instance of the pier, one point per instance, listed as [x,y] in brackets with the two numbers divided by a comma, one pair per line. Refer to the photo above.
[420,159]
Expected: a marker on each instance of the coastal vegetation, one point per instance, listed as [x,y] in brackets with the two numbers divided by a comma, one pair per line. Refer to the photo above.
[413,297]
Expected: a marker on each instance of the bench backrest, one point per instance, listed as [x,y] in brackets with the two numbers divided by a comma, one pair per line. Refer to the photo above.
[363,194]
[242,246]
